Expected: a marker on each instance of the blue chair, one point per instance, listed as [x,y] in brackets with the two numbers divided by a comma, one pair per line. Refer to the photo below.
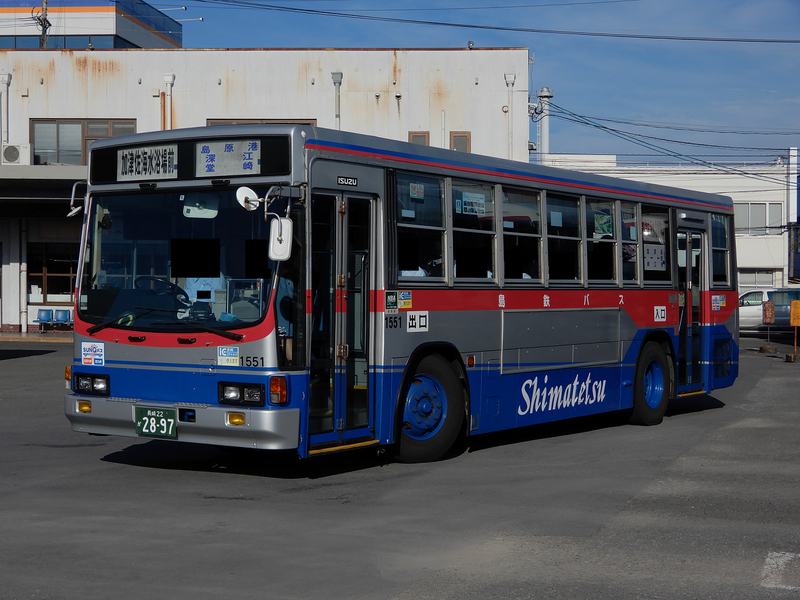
[62,317]
[44,317]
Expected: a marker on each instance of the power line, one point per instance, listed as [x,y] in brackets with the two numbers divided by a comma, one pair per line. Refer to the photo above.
[631,36]
[665,151]
[508,6]
[680,127]
[671,141]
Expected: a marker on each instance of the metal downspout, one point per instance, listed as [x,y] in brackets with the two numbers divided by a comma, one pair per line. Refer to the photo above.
[5,80]
[169,79]
[337,83]
[510,79]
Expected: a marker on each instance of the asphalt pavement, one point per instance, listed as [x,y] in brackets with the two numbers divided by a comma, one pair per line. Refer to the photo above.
[705,505]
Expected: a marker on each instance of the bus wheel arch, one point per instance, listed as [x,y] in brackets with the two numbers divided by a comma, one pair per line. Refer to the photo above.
[432,405]
[654,380]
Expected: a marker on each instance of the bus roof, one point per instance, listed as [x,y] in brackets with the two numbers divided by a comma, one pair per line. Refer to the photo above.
[386,152]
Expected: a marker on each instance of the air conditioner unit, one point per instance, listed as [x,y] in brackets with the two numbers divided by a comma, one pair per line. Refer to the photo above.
[16,154]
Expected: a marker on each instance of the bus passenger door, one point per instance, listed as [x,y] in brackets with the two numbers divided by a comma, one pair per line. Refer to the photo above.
[340,406]
[690,283]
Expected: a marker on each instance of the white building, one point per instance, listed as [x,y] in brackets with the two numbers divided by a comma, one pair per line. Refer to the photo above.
[53,103]
[765,201]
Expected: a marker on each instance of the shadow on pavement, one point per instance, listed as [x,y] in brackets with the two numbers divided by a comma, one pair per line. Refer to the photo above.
[20,353]
[547,430]
[692,404]
[158,454]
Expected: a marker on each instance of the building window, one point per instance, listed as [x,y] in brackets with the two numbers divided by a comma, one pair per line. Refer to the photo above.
[74,42]
[51,272]
[756,278]
[423,138]
[460,140]
[62,141]
[758,218]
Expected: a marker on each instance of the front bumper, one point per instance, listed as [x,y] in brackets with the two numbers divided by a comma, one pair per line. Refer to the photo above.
[277,429]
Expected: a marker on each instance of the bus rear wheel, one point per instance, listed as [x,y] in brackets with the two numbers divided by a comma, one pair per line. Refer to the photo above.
[432,411]
[652,386]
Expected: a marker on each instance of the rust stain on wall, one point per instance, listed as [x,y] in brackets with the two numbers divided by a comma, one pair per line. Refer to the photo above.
[104,67]
[397,69]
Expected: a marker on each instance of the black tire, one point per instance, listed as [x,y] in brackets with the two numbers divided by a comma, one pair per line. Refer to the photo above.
[652,385]
[427,432]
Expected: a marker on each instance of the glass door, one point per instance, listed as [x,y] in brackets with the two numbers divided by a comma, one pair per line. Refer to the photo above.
[341,410]
[691,282]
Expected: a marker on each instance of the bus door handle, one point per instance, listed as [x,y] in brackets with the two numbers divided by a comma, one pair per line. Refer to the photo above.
[342,351]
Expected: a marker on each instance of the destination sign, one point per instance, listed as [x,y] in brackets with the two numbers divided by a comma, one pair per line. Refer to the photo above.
[226,158]
[148,162]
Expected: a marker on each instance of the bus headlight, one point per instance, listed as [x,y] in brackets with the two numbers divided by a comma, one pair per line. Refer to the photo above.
[85,383]
[241,394]
[231,394]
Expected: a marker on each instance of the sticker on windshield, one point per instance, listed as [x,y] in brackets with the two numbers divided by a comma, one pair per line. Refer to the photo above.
[93,353]
[228,356]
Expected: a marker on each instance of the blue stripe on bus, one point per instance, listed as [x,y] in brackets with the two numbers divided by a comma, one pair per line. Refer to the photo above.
[514,173]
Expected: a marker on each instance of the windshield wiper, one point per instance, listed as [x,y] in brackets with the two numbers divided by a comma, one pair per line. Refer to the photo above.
[199,325]
[110,322]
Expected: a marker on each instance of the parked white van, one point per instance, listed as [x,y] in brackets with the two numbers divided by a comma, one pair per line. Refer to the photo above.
[750,311]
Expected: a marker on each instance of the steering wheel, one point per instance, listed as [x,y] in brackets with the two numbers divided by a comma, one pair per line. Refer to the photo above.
[172,289]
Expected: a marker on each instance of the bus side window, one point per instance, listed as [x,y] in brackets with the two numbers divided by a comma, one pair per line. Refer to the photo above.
[655,240]
[473,230]
[420,226]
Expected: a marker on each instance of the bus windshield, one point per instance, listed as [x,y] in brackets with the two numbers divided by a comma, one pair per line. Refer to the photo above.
[176,261]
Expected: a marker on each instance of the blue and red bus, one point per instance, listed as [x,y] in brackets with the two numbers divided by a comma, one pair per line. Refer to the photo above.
[286,287]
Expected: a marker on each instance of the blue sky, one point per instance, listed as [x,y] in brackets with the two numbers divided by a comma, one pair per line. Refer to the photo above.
[751,88]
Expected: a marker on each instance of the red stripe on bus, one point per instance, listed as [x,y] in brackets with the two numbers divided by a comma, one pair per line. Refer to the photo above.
[638,304]
[155,339]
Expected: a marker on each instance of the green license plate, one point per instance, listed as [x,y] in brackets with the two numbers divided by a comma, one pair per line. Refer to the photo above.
[156,422]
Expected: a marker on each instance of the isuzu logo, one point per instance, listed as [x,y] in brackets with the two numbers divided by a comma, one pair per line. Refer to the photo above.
[351,181]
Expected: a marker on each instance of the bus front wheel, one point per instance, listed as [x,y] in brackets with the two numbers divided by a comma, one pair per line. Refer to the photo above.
[652,386]
[433,409]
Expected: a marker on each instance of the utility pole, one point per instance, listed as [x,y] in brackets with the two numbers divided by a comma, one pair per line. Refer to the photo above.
[43,23]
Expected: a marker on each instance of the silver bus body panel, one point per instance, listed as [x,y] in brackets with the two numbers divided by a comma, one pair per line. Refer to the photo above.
[263,429]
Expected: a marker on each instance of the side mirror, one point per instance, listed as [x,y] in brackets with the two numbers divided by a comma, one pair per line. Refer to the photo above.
[280,239]
[247,198]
